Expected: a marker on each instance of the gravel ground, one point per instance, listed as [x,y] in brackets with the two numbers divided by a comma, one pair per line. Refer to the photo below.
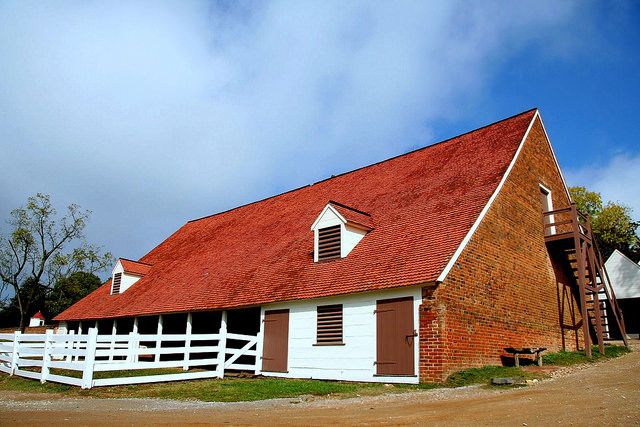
[603,393]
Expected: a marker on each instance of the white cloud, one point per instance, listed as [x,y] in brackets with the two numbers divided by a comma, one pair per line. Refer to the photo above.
[151,113]
[617,180]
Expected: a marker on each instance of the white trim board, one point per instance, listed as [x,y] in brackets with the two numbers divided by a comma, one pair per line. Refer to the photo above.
[484,211]
[553,154]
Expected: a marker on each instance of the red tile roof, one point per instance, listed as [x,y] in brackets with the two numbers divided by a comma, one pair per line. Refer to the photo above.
[38,315]
[134,267]
[423,204]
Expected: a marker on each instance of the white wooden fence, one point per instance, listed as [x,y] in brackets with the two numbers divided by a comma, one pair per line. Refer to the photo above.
[91,353]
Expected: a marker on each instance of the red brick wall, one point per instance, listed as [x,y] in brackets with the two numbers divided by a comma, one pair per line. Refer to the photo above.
[503,290]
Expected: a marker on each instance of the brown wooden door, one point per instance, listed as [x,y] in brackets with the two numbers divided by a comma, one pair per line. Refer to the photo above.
[395,337]
[276,341]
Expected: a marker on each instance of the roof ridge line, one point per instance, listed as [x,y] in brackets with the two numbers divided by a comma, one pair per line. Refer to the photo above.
[366,166]
[137,262]
[333,202]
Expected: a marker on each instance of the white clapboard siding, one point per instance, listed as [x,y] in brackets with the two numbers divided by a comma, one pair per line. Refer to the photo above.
[353,361]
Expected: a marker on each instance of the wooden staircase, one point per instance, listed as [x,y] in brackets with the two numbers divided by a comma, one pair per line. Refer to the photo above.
[569,237]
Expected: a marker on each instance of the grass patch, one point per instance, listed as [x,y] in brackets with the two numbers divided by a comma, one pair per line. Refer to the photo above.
[563,358]
[567,358]
[483,375]
[213,390]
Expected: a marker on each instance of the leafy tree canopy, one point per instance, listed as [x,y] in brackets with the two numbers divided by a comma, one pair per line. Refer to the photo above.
[68,290]
[43,248]
[612,223]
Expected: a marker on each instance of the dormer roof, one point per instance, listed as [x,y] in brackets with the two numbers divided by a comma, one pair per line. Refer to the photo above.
[136,268]
[353,215]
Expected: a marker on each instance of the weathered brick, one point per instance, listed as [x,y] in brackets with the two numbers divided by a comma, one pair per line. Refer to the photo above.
[504,290]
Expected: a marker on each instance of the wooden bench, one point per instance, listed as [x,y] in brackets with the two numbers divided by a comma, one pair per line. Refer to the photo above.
[528,351]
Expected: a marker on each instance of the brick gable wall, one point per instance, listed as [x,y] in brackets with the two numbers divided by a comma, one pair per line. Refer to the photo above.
[504,290]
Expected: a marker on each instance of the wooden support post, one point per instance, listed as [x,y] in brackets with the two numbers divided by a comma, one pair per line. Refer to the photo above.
[580,258]
[187,342]
[89,358]
[260,343]
[159,340]
[222,344]
[114,331]
[79,343]
[70,345]
[131,348]
[15,355]
[596,298]
[136,355]
[46,355]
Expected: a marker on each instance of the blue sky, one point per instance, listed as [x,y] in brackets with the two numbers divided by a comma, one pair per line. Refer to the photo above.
[154,113]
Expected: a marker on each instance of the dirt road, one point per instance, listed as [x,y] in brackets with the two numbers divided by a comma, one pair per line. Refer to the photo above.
[604,394]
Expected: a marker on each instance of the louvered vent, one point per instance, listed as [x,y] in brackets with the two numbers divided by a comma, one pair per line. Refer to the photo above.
[329,324]
[329,243]
[115,288]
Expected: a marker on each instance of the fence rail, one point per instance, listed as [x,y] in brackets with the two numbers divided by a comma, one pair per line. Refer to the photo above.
[33,356]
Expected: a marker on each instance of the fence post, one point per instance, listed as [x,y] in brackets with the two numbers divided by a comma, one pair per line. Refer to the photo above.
[89,358]
[16,352]
[70,345]
[222,345]
[187,343]
[46,355]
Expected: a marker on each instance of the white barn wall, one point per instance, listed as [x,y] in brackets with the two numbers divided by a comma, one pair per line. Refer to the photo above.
[351,237]
[624,275]
[353,361]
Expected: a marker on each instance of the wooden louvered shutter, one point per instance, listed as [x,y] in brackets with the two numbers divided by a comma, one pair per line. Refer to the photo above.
[115,288]
[329,325]
[329,243]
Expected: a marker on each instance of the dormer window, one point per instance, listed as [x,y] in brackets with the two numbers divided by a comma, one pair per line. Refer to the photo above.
[337,231]
[115,286]
[126,273]
[329,242]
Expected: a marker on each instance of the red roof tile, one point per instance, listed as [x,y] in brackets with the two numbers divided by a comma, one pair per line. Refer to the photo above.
[38,315]
[423,204]
[134,267]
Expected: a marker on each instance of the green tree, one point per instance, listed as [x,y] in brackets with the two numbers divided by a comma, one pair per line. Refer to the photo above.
[612,223]
[68,290]
[35,254]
